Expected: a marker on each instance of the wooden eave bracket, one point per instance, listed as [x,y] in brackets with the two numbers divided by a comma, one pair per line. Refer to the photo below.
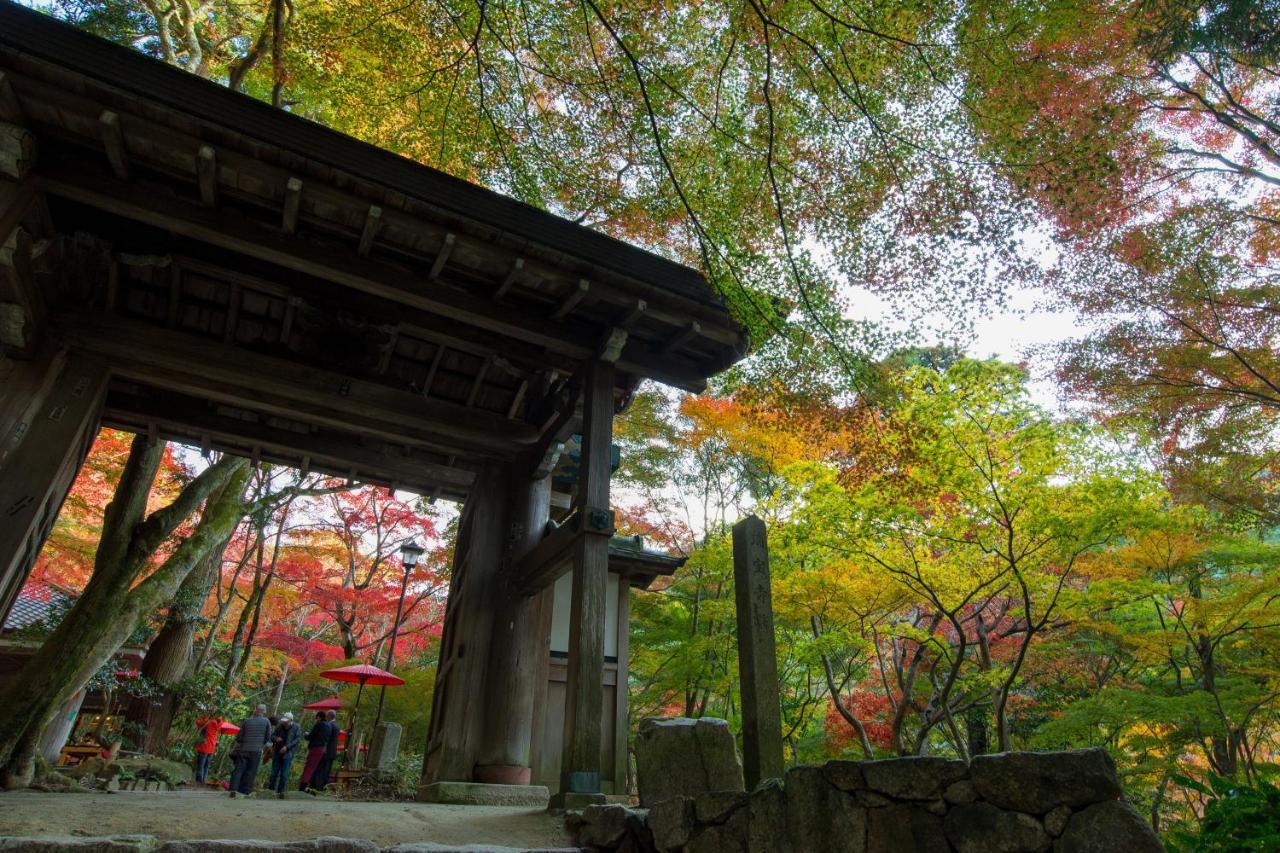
[550,558]
[113,142]
[611,345]
[207,175]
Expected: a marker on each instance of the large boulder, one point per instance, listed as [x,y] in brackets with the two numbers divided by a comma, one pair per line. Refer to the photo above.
[682,757]
[983,828]
[915,778]
[1108,828]
[1035,782]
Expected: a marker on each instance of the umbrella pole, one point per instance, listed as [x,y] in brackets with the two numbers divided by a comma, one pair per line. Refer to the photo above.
[351,737]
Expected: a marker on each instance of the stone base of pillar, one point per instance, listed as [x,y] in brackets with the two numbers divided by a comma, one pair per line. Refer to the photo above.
[503,774]
[567,801]
[484,794]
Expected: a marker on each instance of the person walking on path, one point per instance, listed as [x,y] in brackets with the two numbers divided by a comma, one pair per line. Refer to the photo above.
[210,726]
[317,743]
[284,741]
[321,777]
[255,733]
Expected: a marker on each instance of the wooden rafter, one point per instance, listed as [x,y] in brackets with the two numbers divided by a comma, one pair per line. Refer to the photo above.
[232,232]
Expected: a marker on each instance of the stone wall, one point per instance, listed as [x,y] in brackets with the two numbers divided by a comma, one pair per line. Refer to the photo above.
[1065,802]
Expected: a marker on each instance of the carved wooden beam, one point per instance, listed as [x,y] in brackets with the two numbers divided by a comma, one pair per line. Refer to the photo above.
[214,371]
[178,419]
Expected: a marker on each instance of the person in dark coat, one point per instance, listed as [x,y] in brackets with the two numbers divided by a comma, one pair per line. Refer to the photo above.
[321,778]
[317,745]
[284,743]
[255,733]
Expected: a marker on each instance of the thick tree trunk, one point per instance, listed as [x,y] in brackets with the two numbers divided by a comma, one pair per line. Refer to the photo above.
[148,718]
[110,607]
[169,658]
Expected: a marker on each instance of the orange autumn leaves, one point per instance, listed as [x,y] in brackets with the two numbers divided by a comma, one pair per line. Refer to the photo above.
[67,557]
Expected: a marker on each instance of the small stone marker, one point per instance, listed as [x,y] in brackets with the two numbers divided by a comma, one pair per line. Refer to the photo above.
[757,656]
[384,749]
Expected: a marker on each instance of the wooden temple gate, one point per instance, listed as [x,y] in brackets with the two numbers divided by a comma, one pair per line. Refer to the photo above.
[184,262]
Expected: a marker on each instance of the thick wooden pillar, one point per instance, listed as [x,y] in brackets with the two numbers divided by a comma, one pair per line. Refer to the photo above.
[584,700]
[49,410]
[457,720]
[516,649]
[544,603]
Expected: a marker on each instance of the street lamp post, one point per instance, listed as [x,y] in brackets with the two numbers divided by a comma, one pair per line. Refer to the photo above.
[409,554]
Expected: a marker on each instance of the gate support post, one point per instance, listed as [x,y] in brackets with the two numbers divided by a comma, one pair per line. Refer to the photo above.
[584,697]
[516,650]
[453,742]
[49,411]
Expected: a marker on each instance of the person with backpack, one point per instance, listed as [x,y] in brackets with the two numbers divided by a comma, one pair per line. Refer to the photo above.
[209,727]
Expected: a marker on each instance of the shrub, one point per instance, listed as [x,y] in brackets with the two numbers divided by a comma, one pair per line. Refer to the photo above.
[1237,818]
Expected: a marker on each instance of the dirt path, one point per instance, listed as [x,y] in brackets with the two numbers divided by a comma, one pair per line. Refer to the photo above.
[207,814]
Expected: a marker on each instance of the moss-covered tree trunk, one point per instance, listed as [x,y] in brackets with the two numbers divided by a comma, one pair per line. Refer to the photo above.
[170,657]
[111,606]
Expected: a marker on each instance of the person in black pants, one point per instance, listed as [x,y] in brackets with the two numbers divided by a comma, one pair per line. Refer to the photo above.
[284,741]
[255,733]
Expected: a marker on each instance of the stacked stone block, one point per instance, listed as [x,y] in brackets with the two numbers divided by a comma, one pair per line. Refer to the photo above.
[1060,802]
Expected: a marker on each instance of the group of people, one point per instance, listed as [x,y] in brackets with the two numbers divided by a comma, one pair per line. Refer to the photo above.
[262,737]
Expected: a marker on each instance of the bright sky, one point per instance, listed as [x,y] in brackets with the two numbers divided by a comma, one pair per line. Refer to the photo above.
[1010,334]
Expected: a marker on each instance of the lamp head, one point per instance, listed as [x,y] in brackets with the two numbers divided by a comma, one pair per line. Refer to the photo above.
[410,552]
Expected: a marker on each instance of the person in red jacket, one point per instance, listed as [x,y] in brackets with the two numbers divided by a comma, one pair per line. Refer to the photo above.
[210,725]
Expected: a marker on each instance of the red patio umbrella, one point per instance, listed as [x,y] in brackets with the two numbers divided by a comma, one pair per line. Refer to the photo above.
[333,703]
[362,674]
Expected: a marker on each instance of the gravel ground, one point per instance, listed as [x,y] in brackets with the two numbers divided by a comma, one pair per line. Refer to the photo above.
[209,814]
